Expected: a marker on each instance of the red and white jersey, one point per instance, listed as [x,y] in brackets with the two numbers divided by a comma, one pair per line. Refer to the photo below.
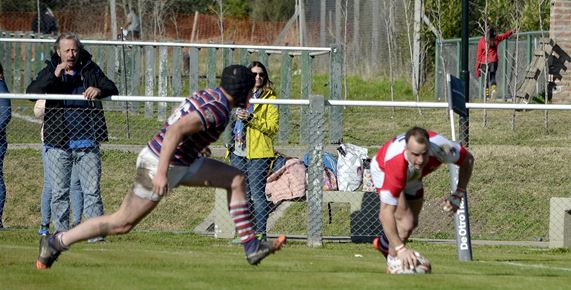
[392,173]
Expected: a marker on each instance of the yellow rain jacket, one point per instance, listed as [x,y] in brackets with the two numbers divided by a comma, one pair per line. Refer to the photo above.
[262,128]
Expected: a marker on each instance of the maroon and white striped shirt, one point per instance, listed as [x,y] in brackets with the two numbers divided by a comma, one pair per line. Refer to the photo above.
[212,108]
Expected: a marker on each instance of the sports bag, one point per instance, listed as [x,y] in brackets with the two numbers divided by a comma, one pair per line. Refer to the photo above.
[350,166]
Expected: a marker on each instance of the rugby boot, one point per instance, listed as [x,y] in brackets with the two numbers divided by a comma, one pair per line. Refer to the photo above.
[265,249]
[48,254]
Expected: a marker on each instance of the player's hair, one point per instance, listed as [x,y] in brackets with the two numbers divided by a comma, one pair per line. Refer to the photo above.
[238,81]
[420,135]
[1,69]
[266,79]
[70,36]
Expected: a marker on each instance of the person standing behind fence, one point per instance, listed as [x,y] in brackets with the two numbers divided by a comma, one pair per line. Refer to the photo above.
[487,58]
[5,116]
[397,171]
[171,158]
[47,20]
[73,129]
[75,195]
[133,25]
[253,149]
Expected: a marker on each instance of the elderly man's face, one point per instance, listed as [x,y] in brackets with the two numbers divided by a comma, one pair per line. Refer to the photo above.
[68,52]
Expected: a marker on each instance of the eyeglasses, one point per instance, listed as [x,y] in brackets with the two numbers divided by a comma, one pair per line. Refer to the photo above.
[262,75]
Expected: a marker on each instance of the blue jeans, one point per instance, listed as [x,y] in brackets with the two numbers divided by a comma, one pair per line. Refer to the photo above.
[256,171]
[87,161]
[5,116]
[75,196]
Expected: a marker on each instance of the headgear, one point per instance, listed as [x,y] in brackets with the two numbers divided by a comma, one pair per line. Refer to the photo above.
[238,81]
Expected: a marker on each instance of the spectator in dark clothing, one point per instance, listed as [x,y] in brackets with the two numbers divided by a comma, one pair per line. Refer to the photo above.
[46,19]
[73,129]
[5,116]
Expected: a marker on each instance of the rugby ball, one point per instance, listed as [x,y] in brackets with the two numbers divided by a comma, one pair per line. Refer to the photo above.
[394,266]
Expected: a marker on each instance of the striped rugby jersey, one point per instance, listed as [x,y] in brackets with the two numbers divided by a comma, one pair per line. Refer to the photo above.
[213,109]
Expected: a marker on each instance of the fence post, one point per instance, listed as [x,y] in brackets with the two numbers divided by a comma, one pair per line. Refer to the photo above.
[263,58]
[177,71]
[163,82]
[149,79]
[503,64]
[17,65]
[211,73]
[316,114]
[285,90]
[227,60]
[244,57]
[193,76]
[136,61]
[437,70]
[28,65]
[335,91]
[3,50]
[305,92]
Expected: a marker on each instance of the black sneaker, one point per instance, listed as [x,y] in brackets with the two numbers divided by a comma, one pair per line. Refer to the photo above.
[265,249]
[48,255]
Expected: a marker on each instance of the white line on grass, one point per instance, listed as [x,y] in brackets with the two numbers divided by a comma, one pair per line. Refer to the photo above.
[538,266]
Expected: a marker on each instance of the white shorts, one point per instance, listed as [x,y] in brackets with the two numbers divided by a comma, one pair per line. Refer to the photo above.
[414,189]
[147,163]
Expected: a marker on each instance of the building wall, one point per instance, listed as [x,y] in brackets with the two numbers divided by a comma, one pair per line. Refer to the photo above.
[560,32]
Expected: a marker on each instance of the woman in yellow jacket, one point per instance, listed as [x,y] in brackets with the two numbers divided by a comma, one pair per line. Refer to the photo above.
[253,148]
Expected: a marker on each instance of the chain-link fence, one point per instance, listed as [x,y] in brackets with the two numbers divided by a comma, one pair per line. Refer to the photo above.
[519,168]
[176,69]
[374,35]
[512,65]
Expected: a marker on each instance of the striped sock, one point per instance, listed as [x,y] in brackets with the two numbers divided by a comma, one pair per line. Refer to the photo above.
[384,244]
[243,221]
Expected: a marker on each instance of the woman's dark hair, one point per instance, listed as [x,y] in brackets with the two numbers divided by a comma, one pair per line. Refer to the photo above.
[1,69]
[266,76]
[491,37]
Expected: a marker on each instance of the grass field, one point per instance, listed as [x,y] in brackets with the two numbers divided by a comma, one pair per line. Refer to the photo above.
[518,168]
[159,260]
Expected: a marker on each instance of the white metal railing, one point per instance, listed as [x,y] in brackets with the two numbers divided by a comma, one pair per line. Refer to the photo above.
[399,104]
[270,48]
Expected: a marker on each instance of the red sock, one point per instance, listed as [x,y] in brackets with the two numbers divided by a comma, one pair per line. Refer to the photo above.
[243,221]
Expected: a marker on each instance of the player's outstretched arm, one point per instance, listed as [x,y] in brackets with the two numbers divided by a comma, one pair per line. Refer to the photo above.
[186,125]
[466,169]
[397,246]
[452,202]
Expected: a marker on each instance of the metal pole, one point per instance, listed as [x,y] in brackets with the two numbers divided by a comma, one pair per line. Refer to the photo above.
[465,121]
[124,72]
[461,218]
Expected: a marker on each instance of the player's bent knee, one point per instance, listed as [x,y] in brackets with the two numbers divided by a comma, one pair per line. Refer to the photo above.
[238,182]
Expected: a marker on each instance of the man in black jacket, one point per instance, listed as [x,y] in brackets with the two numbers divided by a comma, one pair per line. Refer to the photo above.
[73,129]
